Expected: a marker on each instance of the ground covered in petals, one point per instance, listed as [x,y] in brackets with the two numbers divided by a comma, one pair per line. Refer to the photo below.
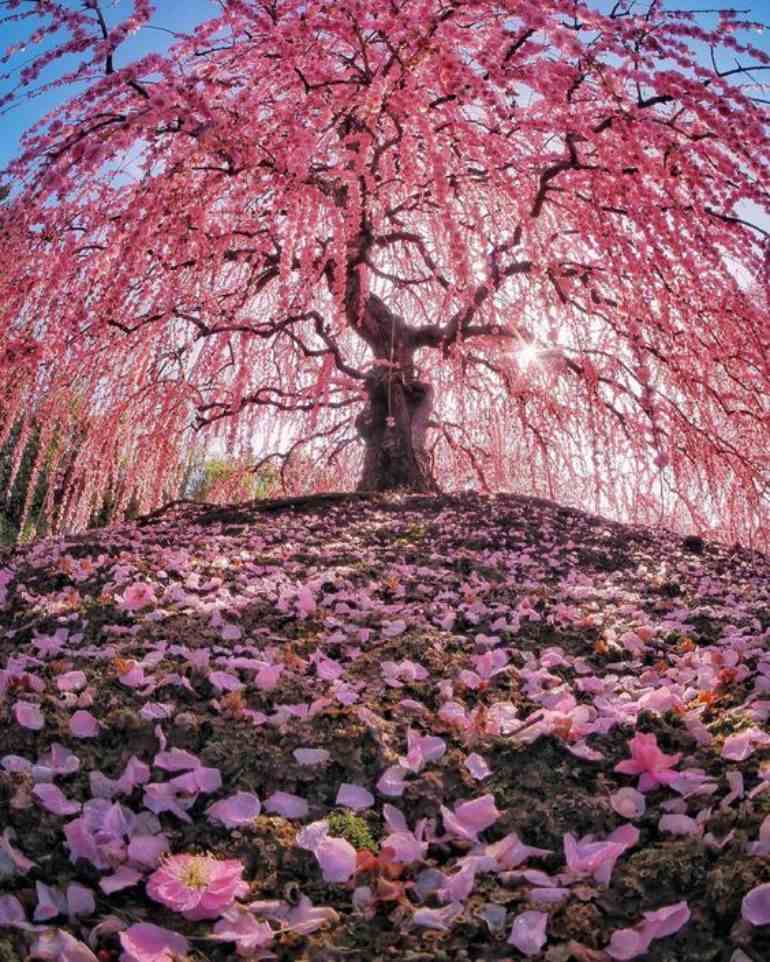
[387,727]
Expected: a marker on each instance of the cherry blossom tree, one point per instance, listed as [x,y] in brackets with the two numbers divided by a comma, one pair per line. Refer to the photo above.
[519,242]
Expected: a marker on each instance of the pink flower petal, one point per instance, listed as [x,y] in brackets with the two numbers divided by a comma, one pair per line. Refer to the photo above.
[239,809]
[528,932]
[311,756]
[28,715]
[391,782]
[628,802]
[124,878]
[627,944]
[71,681]
[354,797]
[337,859]
[146,942]
[80,900]
[147,850]
[54,800]
[440,919]
[755,907]
[287,805]
[478,767]
[84,725]
[56,945]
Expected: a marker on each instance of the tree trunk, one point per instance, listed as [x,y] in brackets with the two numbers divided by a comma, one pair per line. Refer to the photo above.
[393,424]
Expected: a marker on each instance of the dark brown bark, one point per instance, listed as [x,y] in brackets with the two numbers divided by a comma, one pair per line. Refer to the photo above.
[393,425]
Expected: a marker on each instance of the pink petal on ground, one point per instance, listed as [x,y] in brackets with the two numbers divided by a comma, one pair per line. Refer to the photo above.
[337,859]
[11,911]
[56,945]
[124,878]
[628,802]
[528,932]
[80,900]
[28,715]
[438,918]
[147,850]
[49,903]
[458,886]
[287,805]
[391,782]
[478,767]
[84,725]
[311,756]
[755,907]
[404,847]
[239,809]
[19,860]
[666,921]
[200,780]
[224,681]
[627,944]
[176,760]
[306,917]
[53,799]
[354,797]
[239,925]
[737,748]
[679,825]
[71,681]
[470,818]
[145,942]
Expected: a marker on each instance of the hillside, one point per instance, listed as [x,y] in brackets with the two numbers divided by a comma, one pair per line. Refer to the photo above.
[406,727]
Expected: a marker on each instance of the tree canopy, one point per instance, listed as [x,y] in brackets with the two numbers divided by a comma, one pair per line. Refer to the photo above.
[515,242]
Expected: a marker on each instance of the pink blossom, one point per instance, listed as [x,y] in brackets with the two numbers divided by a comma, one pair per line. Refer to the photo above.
[649,762]
[138,595]
[528,932]
[145,942]
[197,886]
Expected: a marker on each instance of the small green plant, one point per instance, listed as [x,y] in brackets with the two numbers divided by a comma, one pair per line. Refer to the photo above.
[353,829]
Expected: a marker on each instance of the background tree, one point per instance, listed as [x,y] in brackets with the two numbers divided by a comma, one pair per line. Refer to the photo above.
[494,239]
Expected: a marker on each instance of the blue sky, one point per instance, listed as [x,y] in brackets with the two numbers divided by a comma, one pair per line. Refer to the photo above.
[182,16]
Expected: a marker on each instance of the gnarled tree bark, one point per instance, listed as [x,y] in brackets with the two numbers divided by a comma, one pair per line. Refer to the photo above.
[394,422]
